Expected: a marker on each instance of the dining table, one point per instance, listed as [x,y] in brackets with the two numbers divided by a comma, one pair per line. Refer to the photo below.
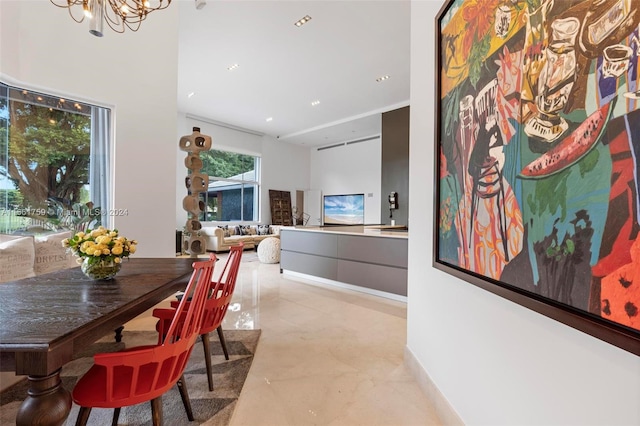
[48,319]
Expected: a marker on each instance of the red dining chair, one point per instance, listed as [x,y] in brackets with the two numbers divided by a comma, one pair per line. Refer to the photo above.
[145,373]
[215,307]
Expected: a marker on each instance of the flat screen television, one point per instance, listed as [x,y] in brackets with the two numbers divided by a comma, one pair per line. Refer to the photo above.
[343,209]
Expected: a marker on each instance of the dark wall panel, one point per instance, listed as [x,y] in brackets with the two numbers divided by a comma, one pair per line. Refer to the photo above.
[395,164]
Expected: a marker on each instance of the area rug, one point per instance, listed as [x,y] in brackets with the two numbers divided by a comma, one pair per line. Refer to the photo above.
[210,408]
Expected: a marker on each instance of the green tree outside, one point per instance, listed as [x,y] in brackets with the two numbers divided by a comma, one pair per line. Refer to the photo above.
[223,164]
[48,153]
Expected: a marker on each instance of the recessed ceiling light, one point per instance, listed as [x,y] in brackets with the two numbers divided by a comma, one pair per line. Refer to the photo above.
[314,103]
[233,67]
[383,78]
[269,119]
[191,94]
[300,22]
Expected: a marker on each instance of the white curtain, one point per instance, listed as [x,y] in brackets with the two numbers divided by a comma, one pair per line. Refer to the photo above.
[100,163]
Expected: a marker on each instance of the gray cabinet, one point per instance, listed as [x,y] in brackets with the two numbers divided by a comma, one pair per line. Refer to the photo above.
[377,263]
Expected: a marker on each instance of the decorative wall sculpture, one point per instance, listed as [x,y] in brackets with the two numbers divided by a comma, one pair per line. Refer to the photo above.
[196,184]
[538,130]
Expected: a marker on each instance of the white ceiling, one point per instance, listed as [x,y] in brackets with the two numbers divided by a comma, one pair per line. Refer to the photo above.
[334,58]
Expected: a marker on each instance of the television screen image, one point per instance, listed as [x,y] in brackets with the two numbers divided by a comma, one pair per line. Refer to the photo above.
[344,209]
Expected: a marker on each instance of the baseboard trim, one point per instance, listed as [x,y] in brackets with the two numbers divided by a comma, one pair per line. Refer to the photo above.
[443,408]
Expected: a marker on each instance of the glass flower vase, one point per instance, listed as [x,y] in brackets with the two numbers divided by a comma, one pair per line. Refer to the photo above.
[99,269]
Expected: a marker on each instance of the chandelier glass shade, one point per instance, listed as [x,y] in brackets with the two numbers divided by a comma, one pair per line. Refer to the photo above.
[118,14]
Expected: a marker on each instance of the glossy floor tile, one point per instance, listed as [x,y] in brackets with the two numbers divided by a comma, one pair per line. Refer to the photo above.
[326,356]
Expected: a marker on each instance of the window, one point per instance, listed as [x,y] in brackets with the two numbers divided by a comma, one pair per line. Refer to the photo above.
[234,186]
[54,162]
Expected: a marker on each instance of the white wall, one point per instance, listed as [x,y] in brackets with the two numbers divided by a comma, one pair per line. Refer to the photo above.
[494,361]
[9,44]
[285,167]
[351,169]
[136,74]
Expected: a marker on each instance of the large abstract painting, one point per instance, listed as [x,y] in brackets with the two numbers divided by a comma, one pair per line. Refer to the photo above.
[538,149]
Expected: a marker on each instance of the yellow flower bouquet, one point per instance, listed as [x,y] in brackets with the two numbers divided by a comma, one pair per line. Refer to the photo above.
[100,251]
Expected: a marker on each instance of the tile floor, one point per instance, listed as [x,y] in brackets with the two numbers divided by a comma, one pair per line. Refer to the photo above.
[326,356]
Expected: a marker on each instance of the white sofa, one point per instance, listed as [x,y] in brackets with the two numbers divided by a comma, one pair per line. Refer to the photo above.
[222,237]
[27,256]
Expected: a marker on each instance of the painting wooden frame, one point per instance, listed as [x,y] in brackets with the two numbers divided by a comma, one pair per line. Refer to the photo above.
[537,157]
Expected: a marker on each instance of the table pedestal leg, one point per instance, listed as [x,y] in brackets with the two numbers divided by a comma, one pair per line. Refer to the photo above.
[118,332]
[48,403]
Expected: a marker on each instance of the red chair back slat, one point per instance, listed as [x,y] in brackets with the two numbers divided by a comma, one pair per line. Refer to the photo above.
[222,291]
[193,303]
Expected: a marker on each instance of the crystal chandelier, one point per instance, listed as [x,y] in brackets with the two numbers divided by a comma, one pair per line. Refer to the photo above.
[118,14]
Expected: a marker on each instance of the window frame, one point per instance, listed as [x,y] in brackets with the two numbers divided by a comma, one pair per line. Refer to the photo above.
[256,184]
[107,148]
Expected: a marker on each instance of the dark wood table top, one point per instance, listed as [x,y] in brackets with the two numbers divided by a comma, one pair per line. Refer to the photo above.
[45,319]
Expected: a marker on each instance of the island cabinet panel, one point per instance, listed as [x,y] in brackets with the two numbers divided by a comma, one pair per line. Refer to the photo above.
[311,243]
[376,277]
[372,262]
[382,251]
[318,266]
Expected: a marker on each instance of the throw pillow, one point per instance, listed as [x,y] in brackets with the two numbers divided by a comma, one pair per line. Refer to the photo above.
[263,229]
[243,229]
[17,255]
[50,255]
[226,231]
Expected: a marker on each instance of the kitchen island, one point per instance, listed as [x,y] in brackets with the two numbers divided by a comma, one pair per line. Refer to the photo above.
[371,259]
